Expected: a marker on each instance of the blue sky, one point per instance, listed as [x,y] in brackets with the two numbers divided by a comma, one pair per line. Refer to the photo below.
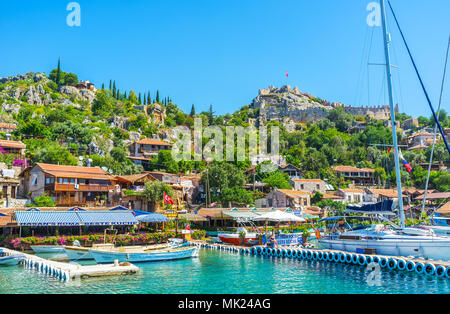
[221,52]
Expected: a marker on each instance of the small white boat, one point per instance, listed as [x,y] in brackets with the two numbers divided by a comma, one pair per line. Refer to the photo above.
[235,238]
[142,254]
[11,260]
[47,249]
[79,253]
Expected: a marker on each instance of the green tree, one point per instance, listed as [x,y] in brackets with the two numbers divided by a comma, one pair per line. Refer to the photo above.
[278,180]
[154,192]
[42,201]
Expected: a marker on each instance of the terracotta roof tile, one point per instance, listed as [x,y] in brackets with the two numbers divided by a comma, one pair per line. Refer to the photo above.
[149,141]
[75,171]
[12,144]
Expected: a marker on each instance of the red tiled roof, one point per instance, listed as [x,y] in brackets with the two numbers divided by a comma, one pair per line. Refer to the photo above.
[149,141]
[8,126]
[308,180]
[352,169]
[12,144]
[74,172]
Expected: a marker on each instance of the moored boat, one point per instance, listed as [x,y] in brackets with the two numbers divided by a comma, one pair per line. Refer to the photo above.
[142,254]
[47,249]
[235,238]
[10,260]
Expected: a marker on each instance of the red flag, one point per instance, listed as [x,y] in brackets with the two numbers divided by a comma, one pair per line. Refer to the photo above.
[389,149]
[287,74]
[168,199]
[188,228]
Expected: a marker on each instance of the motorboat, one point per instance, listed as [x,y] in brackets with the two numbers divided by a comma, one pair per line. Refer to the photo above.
[10,259]
[78,253]
[235,238]
[142,254]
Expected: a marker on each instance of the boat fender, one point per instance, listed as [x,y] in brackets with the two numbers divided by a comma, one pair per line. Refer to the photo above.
[342,257]
[247,251]
[241,251]
[336,257]
[348,258]
[288,253]
[429,269]
[401,264]
[383,262]
[304,254]
[293,254]
[309,254]
[259,250]
[278,254]
[419,268]
[361,260]
[392,263]
[410,266]
[447,272]
[369,259]
[320,256]
[253,251]
[376,259]
[354,258]
[314,256]
[440,271]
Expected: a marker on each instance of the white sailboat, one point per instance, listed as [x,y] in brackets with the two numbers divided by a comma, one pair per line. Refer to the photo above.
[389,240]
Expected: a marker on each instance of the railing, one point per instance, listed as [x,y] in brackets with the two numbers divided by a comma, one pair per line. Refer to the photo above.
[80,187]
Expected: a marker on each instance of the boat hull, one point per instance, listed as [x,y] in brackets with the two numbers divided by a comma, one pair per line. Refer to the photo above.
[235,239]
[47,249]
[10,260]
[429,249]
[78,253]
[105,257]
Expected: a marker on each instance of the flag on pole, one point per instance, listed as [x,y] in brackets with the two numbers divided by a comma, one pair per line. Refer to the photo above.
[287,74]
[405,163]
[168,199]
[188,228]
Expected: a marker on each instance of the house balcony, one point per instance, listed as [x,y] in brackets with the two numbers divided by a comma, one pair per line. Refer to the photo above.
[61,187]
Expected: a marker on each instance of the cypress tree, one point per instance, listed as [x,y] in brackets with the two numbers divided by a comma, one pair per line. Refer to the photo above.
[157,96]
[145,101]
[149,100]
[109,85]
[58,73]
[114,89]
[103,85]
[125,96]
[139,99]
[192,110]
[211,114]
[118,94]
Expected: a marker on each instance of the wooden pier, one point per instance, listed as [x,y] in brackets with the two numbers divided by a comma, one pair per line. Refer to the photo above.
[66,271]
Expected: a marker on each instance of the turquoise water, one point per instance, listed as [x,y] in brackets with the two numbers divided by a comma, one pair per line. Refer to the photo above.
[224,272]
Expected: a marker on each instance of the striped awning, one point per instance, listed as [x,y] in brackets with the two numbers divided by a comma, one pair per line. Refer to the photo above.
[75,218]
[152,217]
[47,218]
[107,218]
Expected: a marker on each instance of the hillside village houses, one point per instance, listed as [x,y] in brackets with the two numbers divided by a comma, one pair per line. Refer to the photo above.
[359,177]
[143,150]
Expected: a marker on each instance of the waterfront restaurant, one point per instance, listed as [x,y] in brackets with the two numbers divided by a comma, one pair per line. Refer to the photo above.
[67,185]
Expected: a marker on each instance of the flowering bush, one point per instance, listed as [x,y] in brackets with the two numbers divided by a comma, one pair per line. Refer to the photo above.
[86,240]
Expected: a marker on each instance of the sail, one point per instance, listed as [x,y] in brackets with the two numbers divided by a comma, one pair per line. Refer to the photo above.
[384,208]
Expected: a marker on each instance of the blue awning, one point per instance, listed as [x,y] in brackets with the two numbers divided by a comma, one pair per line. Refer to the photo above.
[153,218]
[3,215]
[33,210]
[139,213]
[74,218]
[119,208]
[107,218]
[47,218]
[74,209]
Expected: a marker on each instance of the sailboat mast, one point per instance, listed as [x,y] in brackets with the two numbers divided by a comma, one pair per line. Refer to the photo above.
[391,104]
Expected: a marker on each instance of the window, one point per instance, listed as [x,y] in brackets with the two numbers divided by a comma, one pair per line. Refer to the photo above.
[82,181]
[34,179]
[66,180]
[49,180]
[318,186]
[60,180]
[72,181]
[302,186]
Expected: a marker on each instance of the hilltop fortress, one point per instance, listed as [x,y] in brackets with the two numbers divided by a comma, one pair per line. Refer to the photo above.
[289,103]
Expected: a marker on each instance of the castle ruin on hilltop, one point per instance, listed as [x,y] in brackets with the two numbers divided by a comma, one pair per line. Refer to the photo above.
[289,103]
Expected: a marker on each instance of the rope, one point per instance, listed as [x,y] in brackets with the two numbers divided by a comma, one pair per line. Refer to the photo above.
[435,133]
[420,78]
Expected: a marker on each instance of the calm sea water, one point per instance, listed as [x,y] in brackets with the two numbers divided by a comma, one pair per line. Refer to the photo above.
[223,272]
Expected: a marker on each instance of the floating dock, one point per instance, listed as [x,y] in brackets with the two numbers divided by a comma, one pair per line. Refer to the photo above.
[66,271]
[408,264]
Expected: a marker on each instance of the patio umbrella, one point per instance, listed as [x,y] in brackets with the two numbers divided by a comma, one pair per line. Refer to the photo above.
[278,216]
[152,218]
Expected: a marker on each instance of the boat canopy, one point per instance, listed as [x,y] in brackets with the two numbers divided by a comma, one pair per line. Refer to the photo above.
[74,218]
[384,208]
[152,217]
[343,217]
[278,216]
[241,215]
